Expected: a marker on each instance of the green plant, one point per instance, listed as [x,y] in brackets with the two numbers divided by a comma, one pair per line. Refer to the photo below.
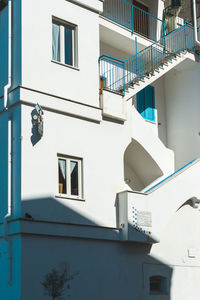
[55,282]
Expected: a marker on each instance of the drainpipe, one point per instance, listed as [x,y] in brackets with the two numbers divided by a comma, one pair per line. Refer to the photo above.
[9,211]
[9,207]
[195,24]
[6,88]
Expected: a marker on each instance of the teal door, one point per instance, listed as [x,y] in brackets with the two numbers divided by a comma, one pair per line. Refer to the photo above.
[146,103]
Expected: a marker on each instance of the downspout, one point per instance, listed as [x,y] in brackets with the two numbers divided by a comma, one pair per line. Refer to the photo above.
[9,210]
[6,88]
[195,24]
[9,207]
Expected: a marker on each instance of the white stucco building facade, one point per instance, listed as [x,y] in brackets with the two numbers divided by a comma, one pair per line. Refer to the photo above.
[104,179]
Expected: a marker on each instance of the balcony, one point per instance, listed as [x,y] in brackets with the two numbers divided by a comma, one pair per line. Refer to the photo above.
[119,75]
[134,18]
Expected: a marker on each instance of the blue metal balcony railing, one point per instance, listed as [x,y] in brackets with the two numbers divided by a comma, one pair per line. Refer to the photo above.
[118,75]
[134,18]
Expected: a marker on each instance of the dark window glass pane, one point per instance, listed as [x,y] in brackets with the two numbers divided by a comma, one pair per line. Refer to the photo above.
[68,46]
[176,2]
[155,285]
[62,176]
[74,177]
[158,285]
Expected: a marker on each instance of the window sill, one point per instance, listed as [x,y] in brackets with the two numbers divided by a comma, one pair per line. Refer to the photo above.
[65,65]
[60,196]
[158,294]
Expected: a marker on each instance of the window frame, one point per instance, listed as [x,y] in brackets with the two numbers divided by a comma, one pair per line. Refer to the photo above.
[64,24]
[68,160]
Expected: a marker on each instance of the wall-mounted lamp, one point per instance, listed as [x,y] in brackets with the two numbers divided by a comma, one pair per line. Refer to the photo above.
[38,119]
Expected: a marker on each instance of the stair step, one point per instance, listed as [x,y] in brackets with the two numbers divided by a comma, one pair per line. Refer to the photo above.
[157,70]
[166,64]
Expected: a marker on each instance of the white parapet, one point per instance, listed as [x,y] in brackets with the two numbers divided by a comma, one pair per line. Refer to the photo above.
[135,218]
[143,217]
[113,105]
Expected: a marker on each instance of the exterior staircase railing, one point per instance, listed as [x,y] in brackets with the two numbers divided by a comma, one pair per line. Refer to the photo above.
[134,18]
[118,75]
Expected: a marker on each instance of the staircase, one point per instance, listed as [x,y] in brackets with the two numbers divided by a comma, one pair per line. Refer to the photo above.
[120,76]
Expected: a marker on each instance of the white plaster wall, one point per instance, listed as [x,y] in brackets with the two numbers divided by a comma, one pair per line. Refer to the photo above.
[146,134]
[182,110]
[13,290]
[165,199]
[115,52]
[116,270]
[102,148]
[181,234]
[107,270]
[160,109]
[131,178]
[39,72]
[115,35]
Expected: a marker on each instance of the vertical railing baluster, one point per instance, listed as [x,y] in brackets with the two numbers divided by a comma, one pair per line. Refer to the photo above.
[185,36]
[132,17]
[136,46]
[123,78]
[151,59]
[132,11]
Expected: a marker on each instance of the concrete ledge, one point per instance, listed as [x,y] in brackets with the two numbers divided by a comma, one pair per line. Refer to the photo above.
[55,103]
[39,227]
[95,5]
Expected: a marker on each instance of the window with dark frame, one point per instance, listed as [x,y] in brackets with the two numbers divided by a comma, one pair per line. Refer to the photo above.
[64,42]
